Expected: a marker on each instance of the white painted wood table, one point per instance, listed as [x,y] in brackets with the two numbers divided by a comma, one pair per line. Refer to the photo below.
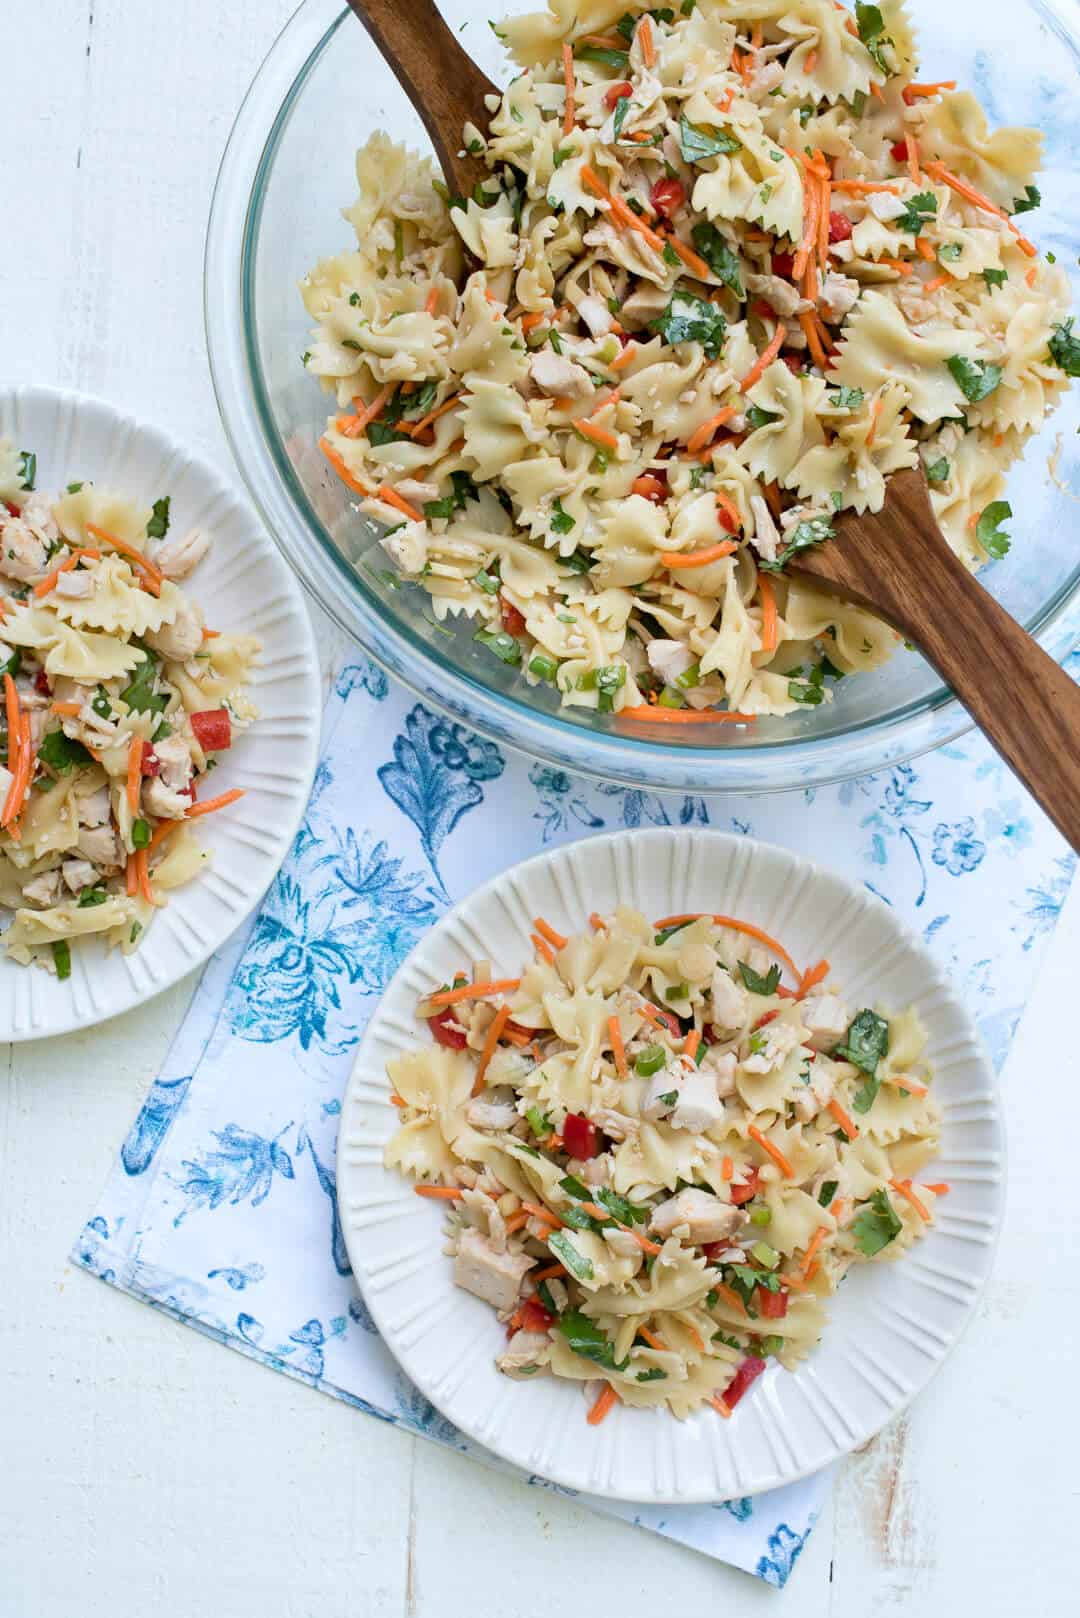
[142,1468]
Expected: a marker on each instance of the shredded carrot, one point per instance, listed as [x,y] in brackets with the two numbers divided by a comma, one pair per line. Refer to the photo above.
[693,1040]
[875,417]
[491,1040]
[474,991]
[648,43]
[660,1019]
[678,561]
[810,164]
[599,435]
[857,187]
[342,470]
[353,426]
[549,1273]
[744,64]
[844,1120]
[443,1193]
[622,214]
[392,498]
[812,203]
[597,923]
[824,221]
[529,322]
[71,709]
[161,832]
[904,1189]
[758,370]
[939,1190]
[433,415]
[213,804]
[431,301]
[624,358]
[797,1283]
[515,1222]
[770,632]
[811,62]
[925,250]
[695,1337]
[131,879]
[937,283]
[24,769]
[683,716]
[773,1151]
[396,1100]
[609,398]
[876,91]
[922,92]
[902,1082]
[690,258]
[142,876]
[539,1212]
[153,576]
[812,977]
[14,727]
[772,499]
[1032,276]
[542,948]
[603,1404]
[913,158]
[728,98]
[49,582]
[618,1048]
[610,42]
[568,77]
[647,486]
[134,773]
[211,634]
[939,172]
[731,1298]
[652,1339]
[758,36]
[708,429]
[730,515]
[815,1242]
[813,340]
[718,1404]
[556,940]
[900,265]
[727,1169]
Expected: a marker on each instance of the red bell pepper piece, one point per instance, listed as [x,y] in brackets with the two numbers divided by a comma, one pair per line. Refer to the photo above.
[744,1193]
[771,1305]
[580,1136]
[513,622]
[213,729]
[747,1374]
[667,197]
[443,1034]
[615,93]
[840,227]
[151,764]
[532,1316]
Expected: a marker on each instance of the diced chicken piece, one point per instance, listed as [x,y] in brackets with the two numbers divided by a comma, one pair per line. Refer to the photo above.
[781,294]
[818,1092]
[407,546]
[622,1244]
[766,535]
[842,252]
[416,491]
[826,1019]
[839,295]
[705,1216]
[101,846]
[490,1115]
[486,1217]
[669,658]
[37,514]
[698,1107]
[162,801]
[495,1277]
[765,79]
[721,1066]
[597,1171]
[660,1096]
[78,874]
[43,890]
[177,558]
[596,315]
[90,728]
[181,639]
[780,1040]
[75,586]
[643,306]
[558,376]
[525,1354]
[884,206]
[174,756]
[22,553]
[614,1124]
[730,1005]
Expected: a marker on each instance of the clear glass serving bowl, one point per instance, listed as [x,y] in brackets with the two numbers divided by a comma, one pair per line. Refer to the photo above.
[285,177]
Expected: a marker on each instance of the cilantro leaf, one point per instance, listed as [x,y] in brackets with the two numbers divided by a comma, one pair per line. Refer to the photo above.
[811,691]
[939,472]
[918,210]
[950,252]
[828,1192]
[27,468]
[578,1265]
[977,379]
[61,753]
[813,531]
[586,1338]
[866,1042]
[561,521]
[697,144]
[158,526]
[995,278]
[653,1374]
[758,984]
[720,258]
[622,107]
[89,897]
[846,399]
[757,418]
[1031,200]
[871,26]
[877,1225]
[989,532]
[140,695]
[606,58]
[692,320]
[1065,347]
[383,432]
[620,1208]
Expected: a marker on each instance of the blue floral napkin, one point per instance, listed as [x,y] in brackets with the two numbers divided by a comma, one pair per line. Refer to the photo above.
[222,1208]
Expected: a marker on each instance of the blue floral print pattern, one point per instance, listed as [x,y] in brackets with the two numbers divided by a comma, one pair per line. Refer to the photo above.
[223,1208]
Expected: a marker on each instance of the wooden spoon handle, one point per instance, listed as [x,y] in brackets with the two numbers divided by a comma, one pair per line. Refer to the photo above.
[1019,697]
[437,74]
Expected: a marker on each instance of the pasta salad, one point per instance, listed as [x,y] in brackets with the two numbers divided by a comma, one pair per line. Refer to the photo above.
[117,702]
[734,265]
[658,1159]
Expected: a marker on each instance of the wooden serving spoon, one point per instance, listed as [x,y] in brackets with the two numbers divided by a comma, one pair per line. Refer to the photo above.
[897,564]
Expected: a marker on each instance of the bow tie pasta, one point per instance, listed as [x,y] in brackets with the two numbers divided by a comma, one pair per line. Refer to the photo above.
[733,266]
[658,1161]
[117,700]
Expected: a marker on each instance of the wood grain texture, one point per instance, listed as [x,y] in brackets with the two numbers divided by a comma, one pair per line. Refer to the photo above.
[437,74]
[899,564]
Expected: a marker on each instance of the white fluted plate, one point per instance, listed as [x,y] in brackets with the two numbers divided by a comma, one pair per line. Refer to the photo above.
[244,585]
[891,1325]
